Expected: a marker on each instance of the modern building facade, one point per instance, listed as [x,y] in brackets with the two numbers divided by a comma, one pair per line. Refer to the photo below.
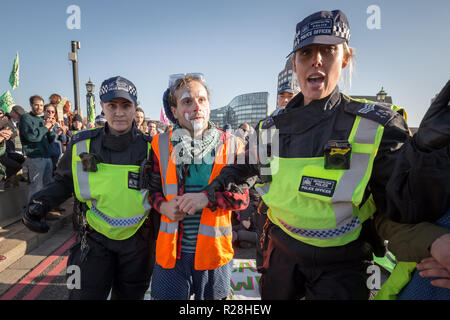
[286,77]
[249,107]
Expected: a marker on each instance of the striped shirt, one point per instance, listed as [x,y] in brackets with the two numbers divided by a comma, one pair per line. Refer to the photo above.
[197,178]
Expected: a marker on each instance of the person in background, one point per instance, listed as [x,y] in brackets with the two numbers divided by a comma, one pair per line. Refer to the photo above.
[100,121]
[36,136]
[152,131]
[139,118]
[286,91]
[56,146]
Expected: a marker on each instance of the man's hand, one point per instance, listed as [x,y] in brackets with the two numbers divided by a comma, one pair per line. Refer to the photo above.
[171,209]
[50,123]
[430,268]
[190,203]
[6,134]
[438,265]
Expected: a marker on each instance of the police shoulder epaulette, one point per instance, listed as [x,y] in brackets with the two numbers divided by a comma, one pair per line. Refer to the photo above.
[85,134]
[378,112]
[269,121]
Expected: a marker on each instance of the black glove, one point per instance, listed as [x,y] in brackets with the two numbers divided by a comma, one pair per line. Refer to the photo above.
[434,130]
[34,216]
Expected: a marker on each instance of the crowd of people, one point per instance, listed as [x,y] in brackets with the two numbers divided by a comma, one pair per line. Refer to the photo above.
[339,178]
[41,138]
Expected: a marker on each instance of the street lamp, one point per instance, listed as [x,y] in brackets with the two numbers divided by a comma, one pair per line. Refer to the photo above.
[90,101]
[381,96]
[73,56]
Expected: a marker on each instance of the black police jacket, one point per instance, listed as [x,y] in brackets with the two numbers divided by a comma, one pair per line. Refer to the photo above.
[304,131]
[127,149]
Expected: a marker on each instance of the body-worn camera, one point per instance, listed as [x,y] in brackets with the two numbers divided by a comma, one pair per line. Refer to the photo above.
[337,154]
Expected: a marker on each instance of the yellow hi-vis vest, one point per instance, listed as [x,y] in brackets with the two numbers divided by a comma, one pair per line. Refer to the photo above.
[115,210]
[323,207]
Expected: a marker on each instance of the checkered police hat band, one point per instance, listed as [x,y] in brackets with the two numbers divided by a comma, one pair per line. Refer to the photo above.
[320,27]
[118,86]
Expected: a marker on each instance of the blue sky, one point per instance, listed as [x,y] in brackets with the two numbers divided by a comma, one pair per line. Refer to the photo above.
[240,46]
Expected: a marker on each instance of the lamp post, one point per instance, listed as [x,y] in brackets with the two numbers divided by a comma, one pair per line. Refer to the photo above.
[381,96]
[90,101]
[73,56]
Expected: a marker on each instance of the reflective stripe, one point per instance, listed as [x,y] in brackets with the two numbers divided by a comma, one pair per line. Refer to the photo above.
[366,131]
[263,189]
[83,176]
[170,189]
[117,222]
[164,162]
[342,197]
[168,227]
[145,203]
[345,227]
[215,232]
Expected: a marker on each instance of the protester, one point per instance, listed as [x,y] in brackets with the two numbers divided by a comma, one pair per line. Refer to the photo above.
[194,248]
[243,131]
[56,146]
[115,246]
[10,159]
[77,125]
[139,118]
[35,136]
[68,115]
[330,161]
[152,128]
[16,113]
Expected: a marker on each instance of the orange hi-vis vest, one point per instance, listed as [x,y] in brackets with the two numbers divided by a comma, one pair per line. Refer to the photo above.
[214,247]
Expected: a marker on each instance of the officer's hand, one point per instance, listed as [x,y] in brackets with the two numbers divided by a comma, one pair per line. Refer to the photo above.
[193,202]
[171,210]
[434,130]
[430,268]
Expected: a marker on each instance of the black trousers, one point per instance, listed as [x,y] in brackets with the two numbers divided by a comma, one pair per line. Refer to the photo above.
[293,270]
[125,266]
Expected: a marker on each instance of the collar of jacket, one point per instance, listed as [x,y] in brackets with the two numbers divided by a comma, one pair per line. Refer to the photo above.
[118,143]
[325,104]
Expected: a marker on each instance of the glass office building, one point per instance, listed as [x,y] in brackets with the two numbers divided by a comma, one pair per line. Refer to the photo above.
[250,108]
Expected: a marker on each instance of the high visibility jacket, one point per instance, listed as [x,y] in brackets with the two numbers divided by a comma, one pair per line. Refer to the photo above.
[326,209]
[117,208]
[214,247]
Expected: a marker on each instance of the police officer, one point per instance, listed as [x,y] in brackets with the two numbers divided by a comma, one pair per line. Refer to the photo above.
[102,166]
[330,160]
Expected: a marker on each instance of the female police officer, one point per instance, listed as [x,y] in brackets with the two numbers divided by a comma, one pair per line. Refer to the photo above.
[331,158]
[102,166]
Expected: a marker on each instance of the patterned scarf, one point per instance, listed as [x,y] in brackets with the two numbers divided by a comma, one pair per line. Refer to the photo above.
[188,150]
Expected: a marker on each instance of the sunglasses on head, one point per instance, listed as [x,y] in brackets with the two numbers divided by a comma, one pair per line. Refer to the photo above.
[175,78]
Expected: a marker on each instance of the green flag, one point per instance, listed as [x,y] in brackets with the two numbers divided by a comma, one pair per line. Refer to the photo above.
[14,76]
[6,102]
[91,110]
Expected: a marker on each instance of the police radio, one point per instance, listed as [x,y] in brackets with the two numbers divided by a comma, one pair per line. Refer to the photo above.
[337,154]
